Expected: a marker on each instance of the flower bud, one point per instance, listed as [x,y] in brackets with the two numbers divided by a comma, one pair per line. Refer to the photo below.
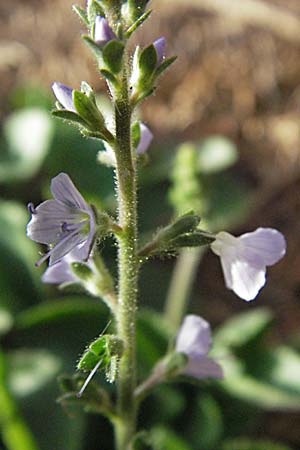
[160,45]
[64,95]
[102,32]
[145,139]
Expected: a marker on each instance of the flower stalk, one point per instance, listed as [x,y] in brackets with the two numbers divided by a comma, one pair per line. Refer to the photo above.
[128,265]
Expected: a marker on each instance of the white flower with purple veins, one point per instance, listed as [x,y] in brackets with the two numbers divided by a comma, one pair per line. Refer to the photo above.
[63,223]
[102,31]
[194,340]
[64,95]
[244,259]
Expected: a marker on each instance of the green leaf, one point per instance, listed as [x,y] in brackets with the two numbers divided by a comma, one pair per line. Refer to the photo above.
[17,255]
[6,321]
[153,333]
[208,419]
[69,116]
[93,46]
[59,309]
[215,154]
[28,135]
[109,77]
[88,110]
[147,64]
[164,65]
[165,439]
[112,54]
[242,328]
[30,370]
[81,14]
[255,391]
[252,444]
[137,23]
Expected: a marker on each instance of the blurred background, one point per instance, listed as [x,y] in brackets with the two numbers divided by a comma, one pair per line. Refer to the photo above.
[226,120]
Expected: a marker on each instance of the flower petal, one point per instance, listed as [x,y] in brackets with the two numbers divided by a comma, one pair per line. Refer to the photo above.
[194,336]
[203,367]
[247,280]
[64,246]
[160,45]
[63,190]
[64,95]
[145,139]
[264,244]
[59,273]
[47,223]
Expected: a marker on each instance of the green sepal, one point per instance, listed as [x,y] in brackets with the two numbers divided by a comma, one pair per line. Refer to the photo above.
[70,116]
[137,23]
[103,349]
[135,134]
[147,64]
[184,224]
[195,239]
[94,9]
[112,54]
[92,45]
[88,110]
[164,65]
[174,363]
[136,8]
[81,13]
[165,238]
[110,78]
[107,136]
[87,90]
[88,361]
[82,271]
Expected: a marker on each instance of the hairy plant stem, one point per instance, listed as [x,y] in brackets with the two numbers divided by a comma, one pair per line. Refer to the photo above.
[128,267]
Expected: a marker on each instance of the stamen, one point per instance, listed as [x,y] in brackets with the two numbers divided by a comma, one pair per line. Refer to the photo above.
[31,208]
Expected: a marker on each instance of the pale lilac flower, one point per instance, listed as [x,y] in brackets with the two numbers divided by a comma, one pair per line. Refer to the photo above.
[145,139]
[61,271]
[62,223]
[244,258]
[160,45]
[63,94]
[194,340]
[103,33]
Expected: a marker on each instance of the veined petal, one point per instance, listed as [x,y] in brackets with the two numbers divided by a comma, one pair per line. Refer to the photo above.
[64,246]
[264,244]
[47,223]
[64,95]
[63,190]
[203,367]
[247,280]
[194,336]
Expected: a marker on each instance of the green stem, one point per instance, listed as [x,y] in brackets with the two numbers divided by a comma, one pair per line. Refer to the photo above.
[181,285]
[15,434]
[128,268]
